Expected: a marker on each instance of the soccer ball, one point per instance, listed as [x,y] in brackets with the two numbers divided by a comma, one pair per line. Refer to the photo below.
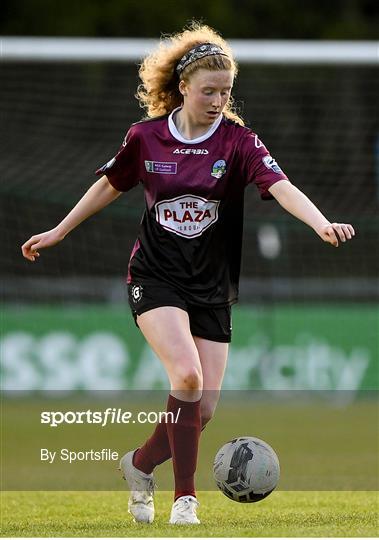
[246,469]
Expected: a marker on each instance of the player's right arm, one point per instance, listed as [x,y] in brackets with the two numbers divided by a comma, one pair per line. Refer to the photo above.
[99,195]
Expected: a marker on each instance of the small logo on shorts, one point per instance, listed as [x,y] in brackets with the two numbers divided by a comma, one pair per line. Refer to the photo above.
[218,168]
[136,293]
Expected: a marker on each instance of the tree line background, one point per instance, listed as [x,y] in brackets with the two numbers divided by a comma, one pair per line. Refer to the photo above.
[245,19]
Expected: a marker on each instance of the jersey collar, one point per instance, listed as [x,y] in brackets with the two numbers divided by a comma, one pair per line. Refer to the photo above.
[175,133]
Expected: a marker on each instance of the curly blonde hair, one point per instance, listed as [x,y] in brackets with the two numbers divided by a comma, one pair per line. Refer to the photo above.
[159,91]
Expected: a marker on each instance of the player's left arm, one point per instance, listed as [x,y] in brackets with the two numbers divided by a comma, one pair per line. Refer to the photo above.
[296,203]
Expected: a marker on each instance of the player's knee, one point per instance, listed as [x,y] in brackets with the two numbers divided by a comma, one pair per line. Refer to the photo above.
[193,380]
[190,378]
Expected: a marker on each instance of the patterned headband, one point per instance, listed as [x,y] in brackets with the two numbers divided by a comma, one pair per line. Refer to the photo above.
[205,49]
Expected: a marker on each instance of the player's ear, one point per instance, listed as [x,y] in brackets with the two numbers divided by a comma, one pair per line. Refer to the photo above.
[183,88]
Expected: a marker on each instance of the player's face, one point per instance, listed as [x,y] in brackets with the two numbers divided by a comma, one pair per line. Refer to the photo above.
[206,94]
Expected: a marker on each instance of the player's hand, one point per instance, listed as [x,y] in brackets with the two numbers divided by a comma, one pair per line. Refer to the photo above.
[30,249]
[337,232]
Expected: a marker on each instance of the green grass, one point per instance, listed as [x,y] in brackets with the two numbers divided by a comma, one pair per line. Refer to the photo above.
[103,514]
[319,447]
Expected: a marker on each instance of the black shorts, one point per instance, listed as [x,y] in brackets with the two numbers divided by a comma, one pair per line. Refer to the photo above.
[213,323]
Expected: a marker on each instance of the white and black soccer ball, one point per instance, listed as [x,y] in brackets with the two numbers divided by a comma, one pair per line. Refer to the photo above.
[246,469]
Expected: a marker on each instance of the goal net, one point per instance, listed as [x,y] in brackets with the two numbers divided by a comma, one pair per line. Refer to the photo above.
[65,111]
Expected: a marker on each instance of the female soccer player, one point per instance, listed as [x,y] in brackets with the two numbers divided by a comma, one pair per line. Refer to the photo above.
[194,157]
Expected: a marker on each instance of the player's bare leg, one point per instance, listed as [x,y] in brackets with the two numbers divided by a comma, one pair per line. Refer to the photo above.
[213,358]
[167,331]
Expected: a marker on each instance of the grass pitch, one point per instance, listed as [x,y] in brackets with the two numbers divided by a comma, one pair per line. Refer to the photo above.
[104,514]
[319,447]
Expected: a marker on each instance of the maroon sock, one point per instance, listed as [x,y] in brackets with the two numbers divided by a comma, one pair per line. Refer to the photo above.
[183,436]
[156,449]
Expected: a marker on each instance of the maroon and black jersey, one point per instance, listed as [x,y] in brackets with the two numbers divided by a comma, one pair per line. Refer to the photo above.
[191,231]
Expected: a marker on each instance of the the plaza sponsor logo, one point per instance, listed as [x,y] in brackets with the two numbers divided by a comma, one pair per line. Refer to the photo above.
[196,151]
[161,167]
[187,216]
[270,163]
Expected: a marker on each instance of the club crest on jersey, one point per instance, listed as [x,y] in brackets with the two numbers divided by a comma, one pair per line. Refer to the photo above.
[270,163]
[187,216]
[218,168]
[137,293]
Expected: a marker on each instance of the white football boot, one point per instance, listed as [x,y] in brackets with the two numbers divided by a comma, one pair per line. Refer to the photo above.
[184,511]
[141,485]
